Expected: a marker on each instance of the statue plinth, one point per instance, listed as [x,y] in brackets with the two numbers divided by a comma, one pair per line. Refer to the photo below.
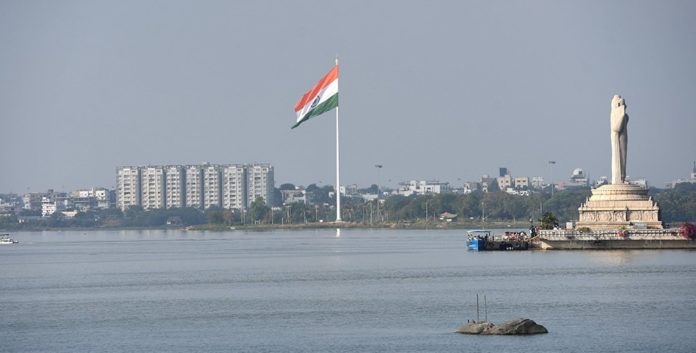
[615,206]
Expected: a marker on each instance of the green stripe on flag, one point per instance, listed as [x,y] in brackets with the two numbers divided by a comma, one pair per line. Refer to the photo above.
[322,108]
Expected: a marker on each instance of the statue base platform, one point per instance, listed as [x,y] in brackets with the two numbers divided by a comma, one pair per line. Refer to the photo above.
[617,206]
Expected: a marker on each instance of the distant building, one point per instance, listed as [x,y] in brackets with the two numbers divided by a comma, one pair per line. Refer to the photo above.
[152,187]
[503,171]
[349,190]
[578,179]
[691,179]
[423,187]
[230,186]
[233,187]
[603,180]
[537,182]
[260,183]
[521,182]
[505,182]
[298,195]
[194,186]
[32,201]
[127,187]
[471,186]
[212,186]
[174,189]
[485,182]
[54,202]
[642,182]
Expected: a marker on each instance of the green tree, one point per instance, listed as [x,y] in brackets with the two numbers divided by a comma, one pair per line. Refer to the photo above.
[493,185]
[287,186]
[548,221]
[258,211]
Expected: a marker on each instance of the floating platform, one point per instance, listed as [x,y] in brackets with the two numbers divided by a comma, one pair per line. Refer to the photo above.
[607,240]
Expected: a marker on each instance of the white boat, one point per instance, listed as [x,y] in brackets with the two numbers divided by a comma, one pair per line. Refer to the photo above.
[5,239]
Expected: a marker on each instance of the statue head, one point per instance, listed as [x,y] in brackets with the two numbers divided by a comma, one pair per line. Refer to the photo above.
[618,102]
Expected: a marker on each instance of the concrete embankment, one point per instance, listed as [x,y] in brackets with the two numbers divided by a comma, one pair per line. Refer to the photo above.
[613,244]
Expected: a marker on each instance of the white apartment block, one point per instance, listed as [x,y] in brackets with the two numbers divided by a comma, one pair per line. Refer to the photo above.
[422,187]
[194,186]
[174,178]
[522,182]
[504,182]
[49,207]
[230,186]
[260,182]
[152,187]
[127,187]
[212,186]
[537,182]
[233,187]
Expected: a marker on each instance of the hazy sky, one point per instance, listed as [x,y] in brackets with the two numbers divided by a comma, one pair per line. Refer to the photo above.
[444,90]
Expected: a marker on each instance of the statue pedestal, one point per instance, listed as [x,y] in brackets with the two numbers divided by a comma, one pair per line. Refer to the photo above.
[619,205]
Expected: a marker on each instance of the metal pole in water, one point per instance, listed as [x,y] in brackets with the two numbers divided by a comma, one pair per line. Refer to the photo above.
[477,307]
[485,308]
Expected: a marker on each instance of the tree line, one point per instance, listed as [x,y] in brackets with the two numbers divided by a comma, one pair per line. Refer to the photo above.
[677,205]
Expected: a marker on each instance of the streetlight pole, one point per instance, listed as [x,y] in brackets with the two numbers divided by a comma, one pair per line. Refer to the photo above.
[379,177]
[551,164]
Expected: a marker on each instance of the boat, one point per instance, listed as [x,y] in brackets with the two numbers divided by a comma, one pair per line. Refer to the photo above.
[5,239]
[480,240]
[477,239]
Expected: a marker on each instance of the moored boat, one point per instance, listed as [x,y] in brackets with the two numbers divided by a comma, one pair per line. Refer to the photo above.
[477,239]
[5,239]
[480,240]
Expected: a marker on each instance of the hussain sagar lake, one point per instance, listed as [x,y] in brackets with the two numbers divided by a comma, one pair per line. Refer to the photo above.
[323,291]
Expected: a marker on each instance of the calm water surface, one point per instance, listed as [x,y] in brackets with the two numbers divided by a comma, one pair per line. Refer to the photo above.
[314,291]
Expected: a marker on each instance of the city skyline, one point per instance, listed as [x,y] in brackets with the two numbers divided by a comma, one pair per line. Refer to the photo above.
[447,92]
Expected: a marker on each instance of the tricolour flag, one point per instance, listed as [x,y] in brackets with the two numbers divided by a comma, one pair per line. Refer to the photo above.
[320,99]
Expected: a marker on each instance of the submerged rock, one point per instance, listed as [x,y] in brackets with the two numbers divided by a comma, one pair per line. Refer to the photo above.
[512,327]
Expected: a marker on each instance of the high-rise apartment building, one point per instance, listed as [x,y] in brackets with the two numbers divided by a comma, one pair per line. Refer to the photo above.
[234,187]
[212,186]
[127,187]
[260,182]
[194,186]
[174,180]
[230,186]
[152,192]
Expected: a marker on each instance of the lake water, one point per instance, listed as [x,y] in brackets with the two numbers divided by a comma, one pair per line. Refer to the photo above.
[315,291]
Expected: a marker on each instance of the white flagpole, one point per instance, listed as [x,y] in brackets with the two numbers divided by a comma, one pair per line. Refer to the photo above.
[338,170]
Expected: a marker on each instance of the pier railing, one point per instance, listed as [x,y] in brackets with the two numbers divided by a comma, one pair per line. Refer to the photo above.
[628,234]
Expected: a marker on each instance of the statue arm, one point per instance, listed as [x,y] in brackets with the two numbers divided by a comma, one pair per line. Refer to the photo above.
[618,119]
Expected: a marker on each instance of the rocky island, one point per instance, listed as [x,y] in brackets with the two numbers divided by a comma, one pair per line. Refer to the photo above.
[512,327]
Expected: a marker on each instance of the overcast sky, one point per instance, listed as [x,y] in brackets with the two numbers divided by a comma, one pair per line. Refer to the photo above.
[446,90]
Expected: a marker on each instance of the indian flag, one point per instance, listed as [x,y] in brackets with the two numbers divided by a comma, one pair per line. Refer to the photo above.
[320,99]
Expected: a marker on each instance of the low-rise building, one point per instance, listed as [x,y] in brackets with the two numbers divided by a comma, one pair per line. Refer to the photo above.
[505,182]
[521,182]
[422,187]
[537,182]
[299,195]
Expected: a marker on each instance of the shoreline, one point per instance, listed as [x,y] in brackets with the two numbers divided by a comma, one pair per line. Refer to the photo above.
[271,227]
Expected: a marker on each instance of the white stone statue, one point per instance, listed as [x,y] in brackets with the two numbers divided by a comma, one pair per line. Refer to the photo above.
[619,139]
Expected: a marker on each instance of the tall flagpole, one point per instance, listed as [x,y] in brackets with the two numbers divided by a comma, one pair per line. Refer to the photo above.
[338,170]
